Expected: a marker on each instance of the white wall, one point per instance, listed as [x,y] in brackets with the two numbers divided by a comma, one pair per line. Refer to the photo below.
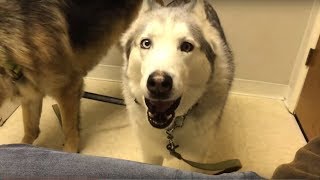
[265,35]
[114,57]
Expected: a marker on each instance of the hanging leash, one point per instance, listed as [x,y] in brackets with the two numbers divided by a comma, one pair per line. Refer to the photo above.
[227,166]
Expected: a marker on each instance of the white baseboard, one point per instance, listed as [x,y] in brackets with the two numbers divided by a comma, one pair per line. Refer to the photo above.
[240,86]
[259,88]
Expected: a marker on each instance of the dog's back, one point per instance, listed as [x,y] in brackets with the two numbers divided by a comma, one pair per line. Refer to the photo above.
[37,30]
[95,24]
[63,35]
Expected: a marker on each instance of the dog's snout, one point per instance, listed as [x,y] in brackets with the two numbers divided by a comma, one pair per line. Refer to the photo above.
[159,84]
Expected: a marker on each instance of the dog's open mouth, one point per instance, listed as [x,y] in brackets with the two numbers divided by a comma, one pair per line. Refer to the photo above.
[161,113]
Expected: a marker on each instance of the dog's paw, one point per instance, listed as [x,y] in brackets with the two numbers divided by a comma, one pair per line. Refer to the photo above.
[71,145]
[70,149]
[28,139]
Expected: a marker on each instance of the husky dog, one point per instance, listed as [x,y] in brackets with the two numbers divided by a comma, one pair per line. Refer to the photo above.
[47,47]
[177,66]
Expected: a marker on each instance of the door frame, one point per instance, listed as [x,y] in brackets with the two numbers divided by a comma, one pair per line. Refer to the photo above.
[300,70]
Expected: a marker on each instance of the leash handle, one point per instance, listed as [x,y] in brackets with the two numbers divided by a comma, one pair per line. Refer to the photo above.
[227,166]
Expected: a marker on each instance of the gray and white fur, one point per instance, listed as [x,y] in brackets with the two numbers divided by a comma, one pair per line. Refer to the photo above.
[201,76]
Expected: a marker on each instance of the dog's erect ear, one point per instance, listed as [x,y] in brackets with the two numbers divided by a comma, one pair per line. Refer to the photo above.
[148,5]
[196,7]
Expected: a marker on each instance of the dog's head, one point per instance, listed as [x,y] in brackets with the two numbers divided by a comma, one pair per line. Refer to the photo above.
[170,55]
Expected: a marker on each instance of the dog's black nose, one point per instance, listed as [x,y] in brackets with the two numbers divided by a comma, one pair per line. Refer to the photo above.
[159,84]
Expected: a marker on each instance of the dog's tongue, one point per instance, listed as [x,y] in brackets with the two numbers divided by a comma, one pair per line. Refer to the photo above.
[158,106]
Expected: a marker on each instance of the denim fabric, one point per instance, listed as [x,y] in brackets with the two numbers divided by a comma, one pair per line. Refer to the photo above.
[27,161]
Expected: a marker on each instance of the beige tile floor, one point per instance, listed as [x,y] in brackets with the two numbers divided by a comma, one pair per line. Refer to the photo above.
[259,131]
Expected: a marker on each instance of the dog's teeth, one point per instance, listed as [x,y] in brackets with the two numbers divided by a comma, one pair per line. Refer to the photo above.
[150,114]
[157,123]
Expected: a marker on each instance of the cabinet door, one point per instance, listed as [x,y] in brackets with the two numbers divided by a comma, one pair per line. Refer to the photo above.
[308,108]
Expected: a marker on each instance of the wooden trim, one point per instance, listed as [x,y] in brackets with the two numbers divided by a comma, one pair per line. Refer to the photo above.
[300,70]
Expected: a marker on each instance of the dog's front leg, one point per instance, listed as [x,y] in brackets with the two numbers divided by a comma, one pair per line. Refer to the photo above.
[69,108]
[150,158]
[69,105]
[151,149]
[31,111]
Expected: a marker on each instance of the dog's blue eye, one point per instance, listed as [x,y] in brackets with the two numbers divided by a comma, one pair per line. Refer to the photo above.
[186,47]
[145,44]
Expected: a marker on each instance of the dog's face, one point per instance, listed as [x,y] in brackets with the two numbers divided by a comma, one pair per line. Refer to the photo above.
[168,64]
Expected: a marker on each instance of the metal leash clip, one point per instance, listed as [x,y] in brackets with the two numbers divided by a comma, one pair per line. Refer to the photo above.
[171,146]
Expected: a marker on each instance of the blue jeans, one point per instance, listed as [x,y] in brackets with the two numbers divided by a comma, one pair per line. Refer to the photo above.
[28,161]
